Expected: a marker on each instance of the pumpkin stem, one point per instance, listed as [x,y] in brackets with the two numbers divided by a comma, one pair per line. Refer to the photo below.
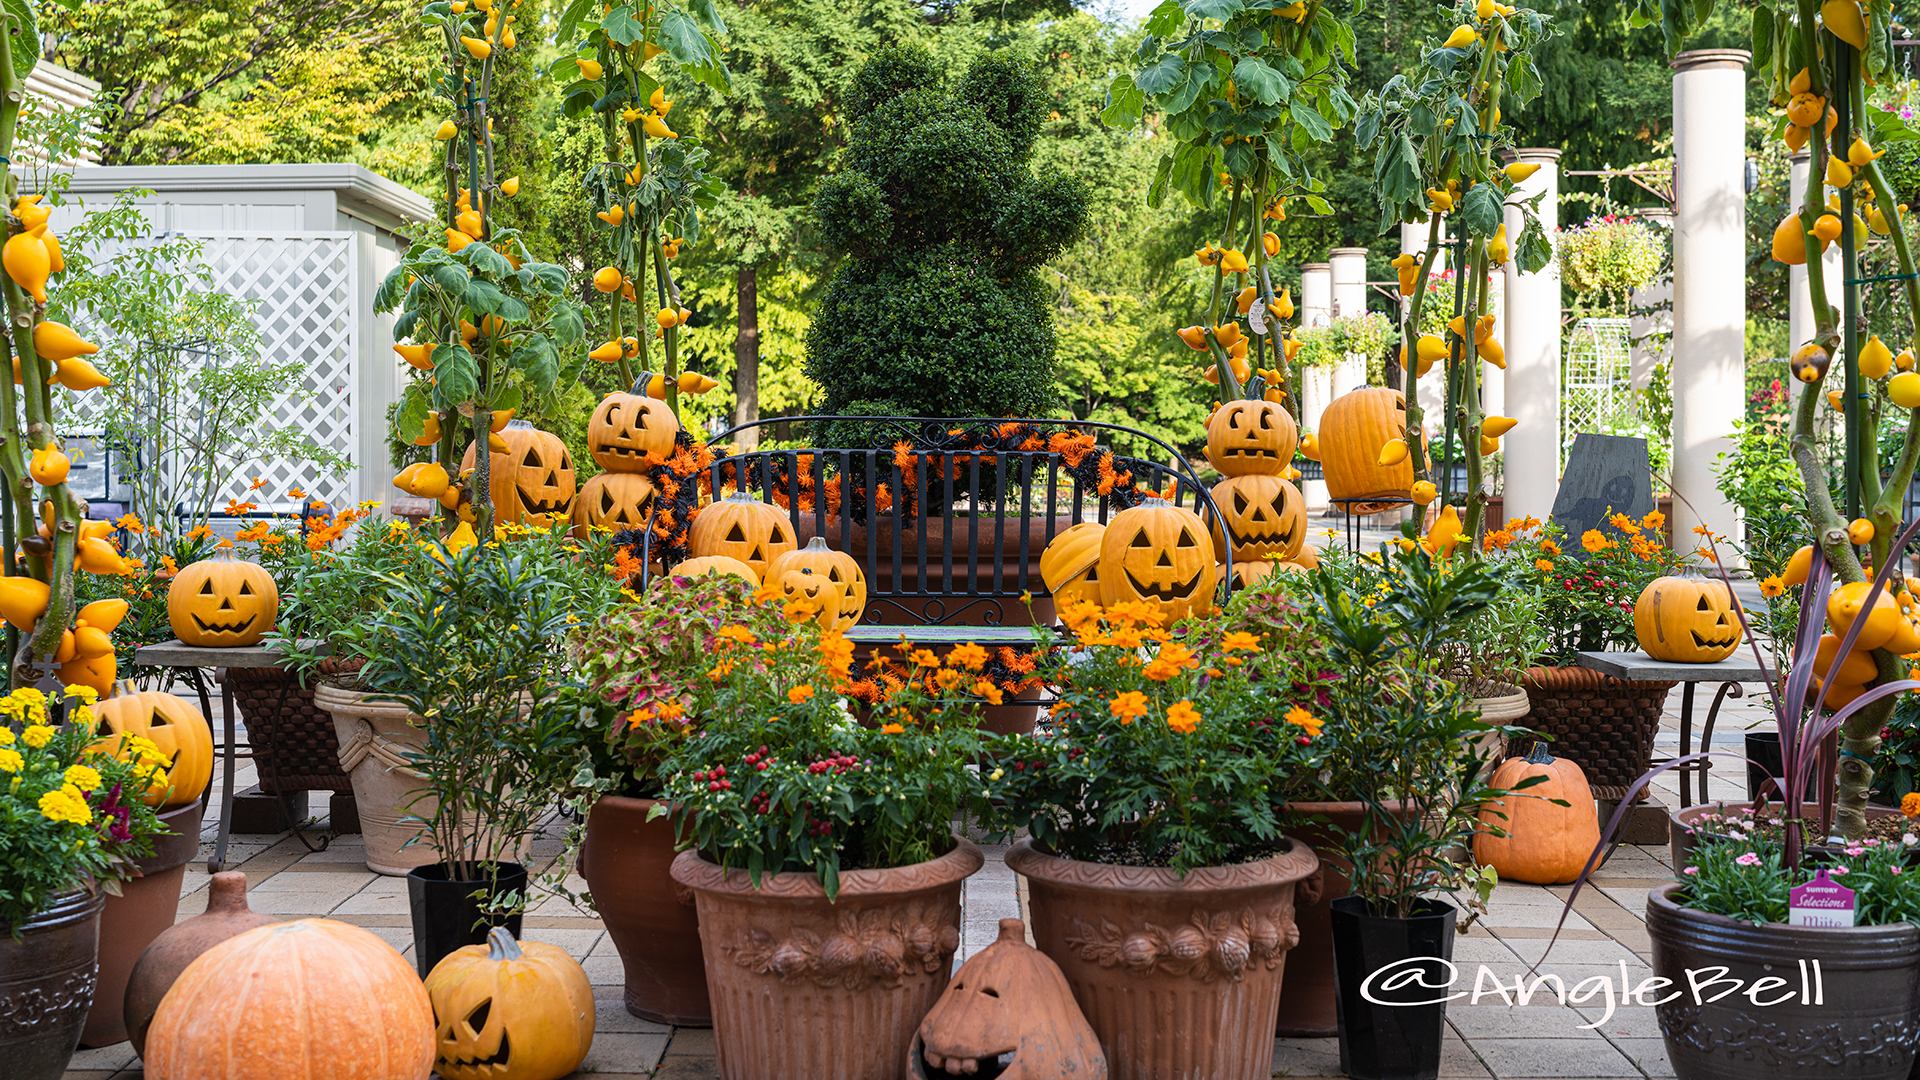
[501,946]
[640,384]
[1537,753]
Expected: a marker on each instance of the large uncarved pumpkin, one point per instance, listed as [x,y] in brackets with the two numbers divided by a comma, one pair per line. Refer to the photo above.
[308,999]
[1686,620]
[1353,428]
[1546,844]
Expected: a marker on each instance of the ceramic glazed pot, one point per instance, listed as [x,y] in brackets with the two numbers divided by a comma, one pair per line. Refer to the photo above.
[146,906]
[46,985]
[375,737]
[827,991]
[1680,839]
[1384,1035]
[227,915]
[1180,977]
[1864,1029]
[628,861]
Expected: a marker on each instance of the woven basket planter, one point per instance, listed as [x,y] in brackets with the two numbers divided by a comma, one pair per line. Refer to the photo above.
[1603,724]
[293,740]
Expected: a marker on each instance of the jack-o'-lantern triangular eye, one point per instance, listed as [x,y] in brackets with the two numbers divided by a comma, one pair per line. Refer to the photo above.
[477,1019]
[1239,503]
[1702,604]
[1187,540]
[1140,540]
[206,587]
[776,534]
[736,535]
[246,588]
[531,460]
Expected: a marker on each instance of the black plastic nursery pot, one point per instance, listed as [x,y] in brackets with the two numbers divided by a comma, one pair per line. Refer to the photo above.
[448,914]
[1763,761]
[1392,977]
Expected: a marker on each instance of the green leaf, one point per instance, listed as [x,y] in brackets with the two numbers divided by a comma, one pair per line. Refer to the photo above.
[1762,37]
[1317,204]
[1254,77]
[410,419]
[404,326]
[1366,129]
[536,360]
[25,45]
[1163,75]
[391,288]
[1167,19]
[485,260]
[456,375]
[576,13]
[1480,211]
[1533,252]
[452,280]
[567,323]
[485,298]
[552,278]
[1222,10]
[508,396]
[1126,103]
[1311,121]
[622,27]
[681,37]
[1162,174]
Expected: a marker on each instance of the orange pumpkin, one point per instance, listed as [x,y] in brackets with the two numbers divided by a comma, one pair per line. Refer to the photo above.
[714,564]
[1266,516]
[222,602]
[822,576]
[533,480]
[1249,437]
[510,1010]
[1546,844]
[1070,565]
[174,727]
[742,527]
[625,428]
[613,500]
[310,998]
[1352,431]
[1159,553]
[1687,620]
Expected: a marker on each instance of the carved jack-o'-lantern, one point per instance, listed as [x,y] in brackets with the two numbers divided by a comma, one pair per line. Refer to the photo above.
[222,602]
[509,1010]
[1247,437]
[1070,565]
[1008,1012]
[1686,620]
[533,480]
[174,727]
[1265,516]
[1159,553]
[613,500]
[829,579]
[625,428]
[713,564]
[742,527]
[1353,429]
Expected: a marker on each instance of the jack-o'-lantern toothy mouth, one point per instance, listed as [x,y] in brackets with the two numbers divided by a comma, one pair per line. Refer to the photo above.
[1179,590]
[223,627]
[481,1066]
[983,1067]
[1718,642]
[534,505]
[1248,452]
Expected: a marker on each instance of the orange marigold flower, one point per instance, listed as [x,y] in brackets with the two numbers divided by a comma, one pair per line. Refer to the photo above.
[1544,565]
[296,493]
[1183,717]
[1300,717]
[1129,706]
[800,694]
[1240,641]
[987,689]
[893,729]
[969,656]
[1595,540]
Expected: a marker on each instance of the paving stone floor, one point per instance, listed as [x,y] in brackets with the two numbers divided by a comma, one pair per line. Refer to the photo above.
[1487,1040]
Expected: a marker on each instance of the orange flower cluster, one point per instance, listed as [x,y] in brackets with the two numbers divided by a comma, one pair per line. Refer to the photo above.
[323,531]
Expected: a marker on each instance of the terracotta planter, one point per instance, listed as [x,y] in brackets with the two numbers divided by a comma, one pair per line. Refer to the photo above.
[1180,977]
[227,915]
[1603,724]
[46,985]
[374,738]
[1307,1002]
[1864,1029]
[628,863]
[146,906]
[826,991]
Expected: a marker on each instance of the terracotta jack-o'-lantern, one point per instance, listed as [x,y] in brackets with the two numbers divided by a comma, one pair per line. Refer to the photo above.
[1248,437]
[509,1010]
[824,577]
[1159,553]
[174,727]
[1687,620]
[625,428]
[1007,1013]
[1266,516]
[1352,430]
[742,527]
[222,602]
[613,500]
[533,481]
[1070,565]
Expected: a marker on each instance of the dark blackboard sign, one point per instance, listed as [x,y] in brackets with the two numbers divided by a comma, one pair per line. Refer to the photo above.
[1606,474]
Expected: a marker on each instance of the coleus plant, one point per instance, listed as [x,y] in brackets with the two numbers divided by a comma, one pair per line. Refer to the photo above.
[1437,138]
[1247,88]
[650,188]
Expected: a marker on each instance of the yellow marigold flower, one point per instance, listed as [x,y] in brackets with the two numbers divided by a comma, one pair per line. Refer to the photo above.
[969,656]
[1910,804]
[800,693]
[85,693]
[1240,641]
[10,760]
[1300,717]
[893,729]
[6,735]
[37,736]
[66,804]
[1595,540]
[82,777]
[1183,717]
[1543,565]
[1129,706]
[1771,586]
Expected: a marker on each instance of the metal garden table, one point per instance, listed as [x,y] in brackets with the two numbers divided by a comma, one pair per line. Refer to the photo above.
[1729,673]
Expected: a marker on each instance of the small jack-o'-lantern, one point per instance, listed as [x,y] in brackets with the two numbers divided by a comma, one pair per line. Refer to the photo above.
[1265,516]
[1247,437]
[1686,620]
[1353,429]
[714,564]
[532,481]
[1070,565]
[176,729]
[1159,553]
[613,500]
[222,602]
[829,579]
[1008,1012]
[742,527]
[509,1010]
[625,428]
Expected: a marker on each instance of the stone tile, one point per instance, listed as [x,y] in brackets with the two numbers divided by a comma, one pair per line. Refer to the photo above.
[1306,1057]
[1547,933]
[1567,951]
[103,1058]
[1631,897]
[1577,1058]
[1545,1018]
[1458,1061]
[691,1042]
[1534,915]
[303,894]
[578,943]
[1627,1021]
[624,1052]
[610,1014]
[94,1074]
[1474,949]
[1649,1054]
[686,1068]
[604,970]
[377,921]
[1515,892]
[380,896]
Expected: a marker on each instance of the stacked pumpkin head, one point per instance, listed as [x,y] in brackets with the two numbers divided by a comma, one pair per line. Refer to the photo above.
[624,429]
[1251,442]
[529,476]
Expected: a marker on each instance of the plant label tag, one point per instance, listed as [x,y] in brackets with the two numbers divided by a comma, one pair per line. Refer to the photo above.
[1257,317]
[1820,902]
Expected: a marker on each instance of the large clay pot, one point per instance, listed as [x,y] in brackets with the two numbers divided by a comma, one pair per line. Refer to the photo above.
[227,915]
[826,990]
[1863,1028]
[375,737]
[628,862]
[146,906]
[1180,977]
[1307,1006]
[46,985]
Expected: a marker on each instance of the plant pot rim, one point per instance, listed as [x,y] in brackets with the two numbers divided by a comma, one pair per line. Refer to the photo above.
[335,698]
[1898,935]
[64,908]
[1574,677]
[178,846]
[1293,864]
[1432,907]
[1344,806]
[630,803]
[507,869]
[695,871]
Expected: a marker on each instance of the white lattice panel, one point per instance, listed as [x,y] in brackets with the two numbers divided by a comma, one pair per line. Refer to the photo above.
[305,285]
[1596,378]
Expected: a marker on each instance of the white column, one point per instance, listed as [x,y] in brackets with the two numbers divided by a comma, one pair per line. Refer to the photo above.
[1493,381]
[1413,240]
[1316,295]
[1349,281]
[1647,353]
[1531,451]
[1709,263]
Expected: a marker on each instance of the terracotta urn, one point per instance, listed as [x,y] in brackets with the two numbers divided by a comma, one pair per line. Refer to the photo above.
[227,915]
[628,861]
[803,986]
[1008,1013]
[375,738]
[146,907]
[1179,976]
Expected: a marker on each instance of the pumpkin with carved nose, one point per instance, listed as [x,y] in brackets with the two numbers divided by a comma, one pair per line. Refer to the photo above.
[613,500]
[625,428]
[222,602]
[533,480]
[1158,553]
[177,731]
[1070,565]
[742,527]
[1007,1013]
[1265,516]
[828,579]
[1687,620]
[1248,437]
[509,1010]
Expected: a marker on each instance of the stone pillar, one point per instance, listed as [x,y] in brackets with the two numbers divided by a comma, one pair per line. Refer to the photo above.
[1648,353]
[1531,451]
[1316,295]
[1493,381]
[1413,238]
[1349,281]
[1709,263]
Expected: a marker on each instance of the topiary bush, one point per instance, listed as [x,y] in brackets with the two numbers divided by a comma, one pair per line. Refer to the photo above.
[938,309]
